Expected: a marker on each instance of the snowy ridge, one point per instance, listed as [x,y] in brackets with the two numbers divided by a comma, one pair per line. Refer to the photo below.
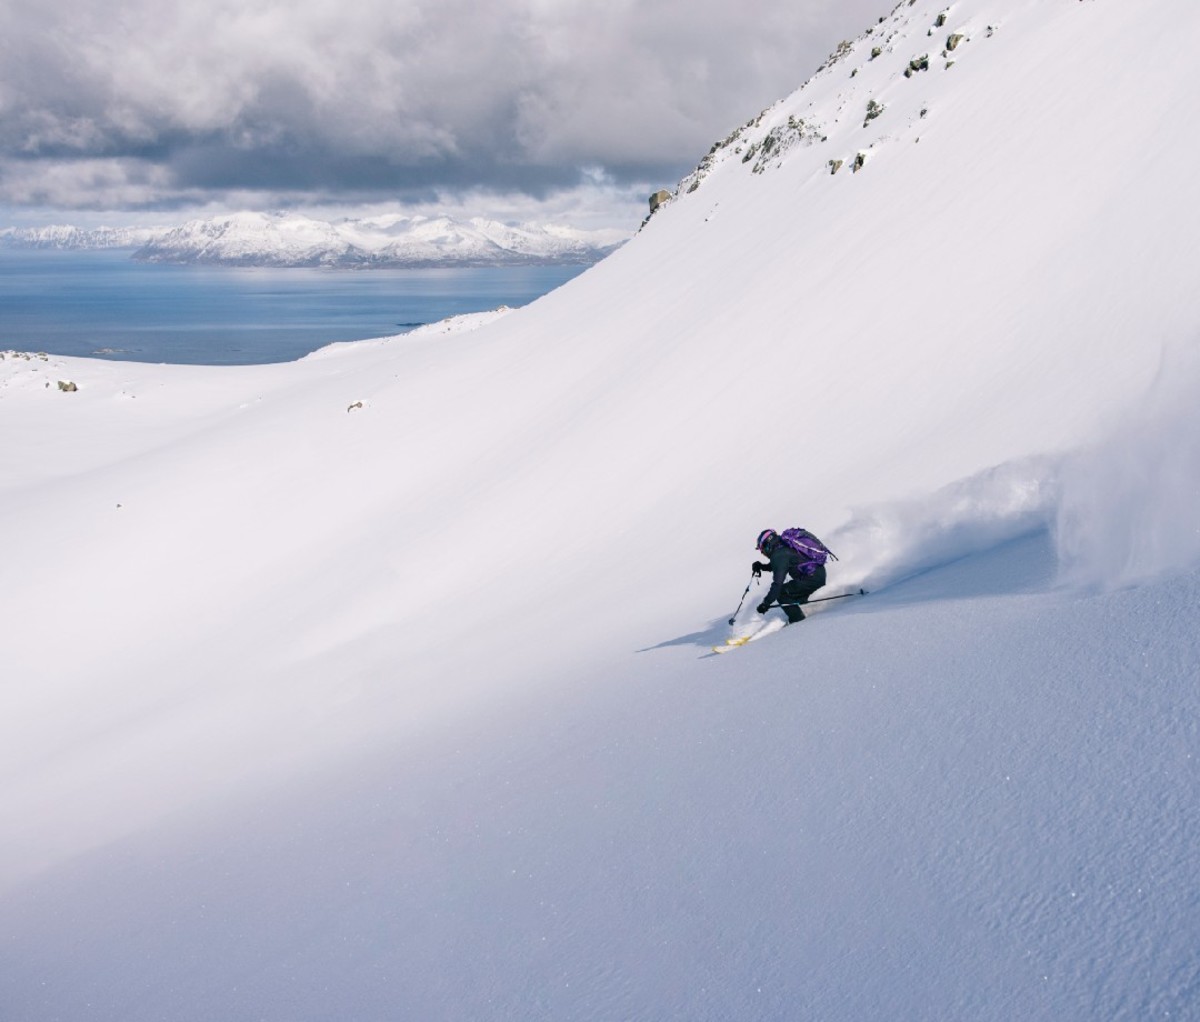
[460,324]
[290,239]
[876,91]
[380,684]
[67,237]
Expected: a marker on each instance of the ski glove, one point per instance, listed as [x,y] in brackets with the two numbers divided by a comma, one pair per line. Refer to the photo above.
[756,569]
[763,607]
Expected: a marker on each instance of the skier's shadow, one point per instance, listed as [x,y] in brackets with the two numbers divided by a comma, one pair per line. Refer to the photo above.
[718,629]
[716,633]
[1024,564]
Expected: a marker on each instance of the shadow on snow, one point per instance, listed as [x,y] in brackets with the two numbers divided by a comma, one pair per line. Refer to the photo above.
[1020,566]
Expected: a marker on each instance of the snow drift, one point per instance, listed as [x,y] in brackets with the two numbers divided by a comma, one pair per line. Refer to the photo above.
[389,656]
[1127,513]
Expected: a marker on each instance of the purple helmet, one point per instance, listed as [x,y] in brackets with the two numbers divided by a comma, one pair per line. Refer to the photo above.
[764,538]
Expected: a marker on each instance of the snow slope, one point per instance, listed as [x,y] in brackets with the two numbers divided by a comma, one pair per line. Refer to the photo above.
[377,685]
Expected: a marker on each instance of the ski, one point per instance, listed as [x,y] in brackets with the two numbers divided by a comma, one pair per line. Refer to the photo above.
[738,641]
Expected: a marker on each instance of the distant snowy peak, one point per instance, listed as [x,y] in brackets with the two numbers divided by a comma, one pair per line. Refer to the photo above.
[66,237]
[289,239]
[248,239]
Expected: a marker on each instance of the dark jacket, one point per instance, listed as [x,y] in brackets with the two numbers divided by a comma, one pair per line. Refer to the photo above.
[784,561]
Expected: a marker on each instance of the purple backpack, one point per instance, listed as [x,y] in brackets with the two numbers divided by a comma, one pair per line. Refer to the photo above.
[811,550]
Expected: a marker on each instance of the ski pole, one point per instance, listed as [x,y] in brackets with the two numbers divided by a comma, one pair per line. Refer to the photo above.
[743,599]
[822,599]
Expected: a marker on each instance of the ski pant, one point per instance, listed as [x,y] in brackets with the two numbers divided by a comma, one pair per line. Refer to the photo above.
[797,590]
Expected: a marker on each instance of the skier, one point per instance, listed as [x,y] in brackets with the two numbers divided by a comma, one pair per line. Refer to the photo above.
[799,554]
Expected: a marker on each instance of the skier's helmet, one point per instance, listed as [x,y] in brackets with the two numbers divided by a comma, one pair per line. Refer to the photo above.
[765,537]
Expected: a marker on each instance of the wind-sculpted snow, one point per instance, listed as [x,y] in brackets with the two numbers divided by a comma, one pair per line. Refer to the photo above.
[1130,506]
[1122,509]
[885,545]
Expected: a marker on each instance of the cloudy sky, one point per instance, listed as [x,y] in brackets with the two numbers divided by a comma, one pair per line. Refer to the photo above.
[131,110]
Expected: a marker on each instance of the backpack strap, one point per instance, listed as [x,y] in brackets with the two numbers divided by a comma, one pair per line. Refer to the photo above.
[804,541]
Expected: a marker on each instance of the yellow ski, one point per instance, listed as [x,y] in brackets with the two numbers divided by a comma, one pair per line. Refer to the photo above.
[729,644]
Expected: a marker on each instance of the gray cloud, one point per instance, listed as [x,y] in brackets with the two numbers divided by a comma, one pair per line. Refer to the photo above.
[144,103]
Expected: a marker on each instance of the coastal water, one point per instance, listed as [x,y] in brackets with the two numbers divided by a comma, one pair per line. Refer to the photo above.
[104,304]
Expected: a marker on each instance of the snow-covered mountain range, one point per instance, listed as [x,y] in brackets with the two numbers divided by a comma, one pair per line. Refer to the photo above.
[379,685]
[291,239]
[78,238]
